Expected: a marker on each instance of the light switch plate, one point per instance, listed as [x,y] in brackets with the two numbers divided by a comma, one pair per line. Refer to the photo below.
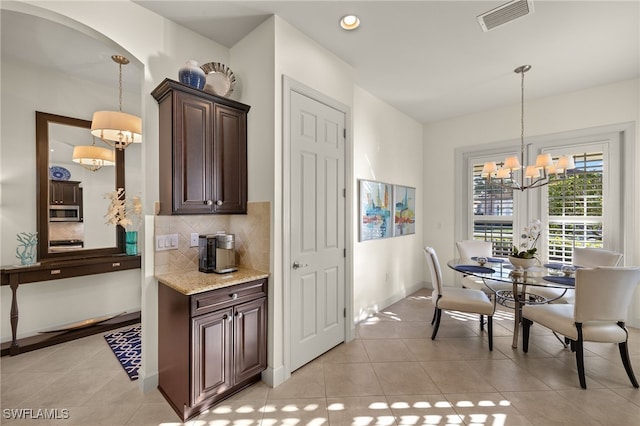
[167,242]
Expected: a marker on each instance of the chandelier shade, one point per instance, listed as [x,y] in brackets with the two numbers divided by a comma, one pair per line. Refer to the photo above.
[116,128]
[538,174]
[93,157]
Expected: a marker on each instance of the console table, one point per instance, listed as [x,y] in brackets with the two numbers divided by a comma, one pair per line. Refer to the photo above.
[14,276]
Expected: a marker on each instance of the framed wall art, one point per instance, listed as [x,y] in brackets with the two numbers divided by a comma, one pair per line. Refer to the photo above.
[376,210]
[404,210]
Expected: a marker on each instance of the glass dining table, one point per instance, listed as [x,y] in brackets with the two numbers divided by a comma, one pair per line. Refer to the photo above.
[524,282]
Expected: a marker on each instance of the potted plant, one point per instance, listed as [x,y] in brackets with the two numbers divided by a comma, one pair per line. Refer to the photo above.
[525,256]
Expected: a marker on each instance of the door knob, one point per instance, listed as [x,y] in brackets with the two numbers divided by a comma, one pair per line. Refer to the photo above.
[297,265]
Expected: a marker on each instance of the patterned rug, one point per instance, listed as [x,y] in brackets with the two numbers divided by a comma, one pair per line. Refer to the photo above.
[127,346]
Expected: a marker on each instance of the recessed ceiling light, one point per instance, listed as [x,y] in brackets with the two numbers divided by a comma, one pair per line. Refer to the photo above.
[349,22]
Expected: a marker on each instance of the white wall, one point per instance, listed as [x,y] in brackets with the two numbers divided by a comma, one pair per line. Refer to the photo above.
[162,47]
[598,106]
[387,147]
[254,58]
[51,92]
[376,130]
[303,60]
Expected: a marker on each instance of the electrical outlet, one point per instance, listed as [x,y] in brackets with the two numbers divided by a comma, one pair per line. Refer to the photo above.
[194,239]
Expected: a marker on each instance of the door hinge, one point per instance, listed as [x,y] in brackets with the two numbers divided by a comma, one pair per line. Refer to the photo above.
[344,192]
[344,132]
[344,312]
[344,253]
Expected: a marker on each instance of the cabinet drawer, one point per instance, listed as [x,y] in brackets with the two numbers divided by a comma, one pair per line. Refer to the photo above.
[228,296]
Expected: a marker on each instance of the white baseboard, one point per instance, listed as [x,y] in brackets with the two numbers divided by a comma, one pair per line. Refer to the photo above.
[148,383]
[374,309]
[273,377]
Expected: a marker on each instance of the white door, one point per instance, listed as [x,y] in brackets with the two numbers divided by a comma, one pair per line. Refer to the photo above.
[317,228]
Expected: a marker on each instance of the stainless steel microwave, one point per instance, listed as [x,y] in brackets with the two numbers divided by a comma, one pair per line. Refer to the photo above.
[64,213]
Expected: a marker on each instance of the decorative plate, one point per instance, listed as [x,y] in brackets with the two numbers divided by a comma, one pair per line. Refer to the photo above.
[220,78]
[59,173]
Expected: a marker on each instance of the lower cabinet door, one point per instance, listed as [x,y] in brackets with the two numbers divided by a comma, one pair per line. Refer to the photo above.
[250,344]
[212,357]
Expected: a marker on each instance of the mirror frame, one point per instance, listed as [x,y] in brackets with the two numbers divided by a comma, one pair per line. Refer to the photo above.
[43,120]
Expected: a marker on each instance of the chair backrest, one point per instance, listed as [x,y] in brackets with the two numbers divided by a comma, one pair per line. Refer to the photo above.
[470,248]
[593,257]
[604,294]
[434,268]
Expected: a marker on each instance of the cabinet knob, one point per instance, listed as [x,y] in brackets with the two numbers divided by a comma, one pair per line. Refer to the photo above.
[233,296]
[209,202]
[219,202]
[239,315]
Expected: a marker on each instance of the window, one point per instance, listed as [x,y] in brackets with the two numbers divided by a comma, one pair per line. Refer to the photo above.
[575,208]
[492,213]
[582,209]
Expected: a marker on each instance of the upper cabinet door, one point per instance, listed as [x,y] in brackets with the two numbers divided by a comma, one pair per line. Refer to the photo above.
[203,151]
[192,154]
[230,160]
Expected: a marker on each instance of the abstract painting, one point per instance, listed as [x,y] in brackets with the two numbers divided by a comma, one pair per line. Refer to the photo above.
[404,210]
[375,210]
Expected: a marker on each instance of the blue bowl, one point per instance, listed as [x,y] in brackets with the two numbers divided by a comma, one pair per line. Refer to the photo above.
[192,78]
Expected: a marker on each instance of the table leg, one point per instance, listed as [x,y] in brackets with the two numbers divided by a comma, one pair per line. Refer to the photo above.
[14,349]
[517,311]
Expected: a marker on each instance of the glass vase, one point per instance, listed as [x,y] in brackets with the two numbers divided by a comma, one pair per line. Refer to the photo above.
[131,243]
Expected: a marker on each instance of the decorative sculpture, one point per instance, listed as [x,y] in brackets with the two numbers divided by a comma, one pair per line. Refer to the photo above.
[26,250]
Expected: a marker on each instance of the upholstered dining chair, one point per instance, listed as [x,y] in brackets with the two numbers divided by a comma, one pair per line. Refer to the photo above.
[598,315]
[456,299]
[468,249]
[588,257]
[585,257]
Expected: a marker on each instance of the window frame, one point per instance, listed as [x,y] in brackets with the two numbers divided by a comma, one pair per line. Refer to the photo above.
[614,140]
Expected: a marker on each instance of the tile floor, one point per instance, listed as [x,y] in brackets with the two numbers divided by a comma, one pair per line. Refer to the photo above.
[391,374]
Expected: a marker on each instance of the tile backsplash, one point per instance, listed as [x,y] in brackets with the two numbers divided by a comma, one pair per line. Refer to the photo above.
[252,237]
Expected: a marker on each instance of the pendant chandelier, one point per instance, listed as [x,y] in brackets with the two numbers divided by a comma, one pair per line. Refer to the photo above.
[93,157]
[116,128]
[537,175]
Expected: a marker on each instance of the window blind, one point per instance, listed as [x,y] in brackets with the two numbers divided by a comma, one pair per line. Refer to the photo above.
[575,215]
[492,214]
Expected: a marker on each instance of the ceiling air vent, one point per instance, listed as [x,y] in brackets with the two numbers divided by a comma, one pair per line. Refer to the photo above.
[506,13]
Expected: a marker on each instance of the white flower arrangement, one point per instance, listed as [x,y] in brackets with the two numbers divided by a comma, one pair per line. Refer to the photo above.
[530,236]
[122,211]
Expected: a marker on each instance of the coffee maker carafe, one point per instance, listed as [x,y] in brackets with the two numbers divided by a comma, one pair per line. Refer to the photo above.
[217,253]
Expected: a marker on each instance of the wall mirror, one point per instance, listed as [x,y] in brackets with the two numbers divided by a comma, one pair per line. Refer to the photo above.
[70,201]
[70,75]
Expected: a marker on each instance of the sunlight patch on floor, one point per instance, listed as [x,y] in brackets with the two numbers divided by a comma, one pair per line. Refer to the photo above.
[271,417]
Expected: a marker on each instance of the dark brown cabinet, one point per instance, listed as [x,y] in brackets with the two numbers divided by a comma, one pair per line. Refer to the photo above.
[65,192]
[203,151]
[211,344]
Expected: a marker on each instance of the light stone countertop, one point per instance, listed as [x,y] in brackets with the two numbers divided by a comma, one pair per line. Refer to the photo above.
[194,281]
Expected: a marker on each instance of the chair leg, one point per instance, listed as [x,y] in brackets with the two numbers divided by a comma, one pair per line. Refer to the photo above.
[580,356]
[435,327]
[481,322]
[526,325]
[435,313]
[490,331]
[624,354]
